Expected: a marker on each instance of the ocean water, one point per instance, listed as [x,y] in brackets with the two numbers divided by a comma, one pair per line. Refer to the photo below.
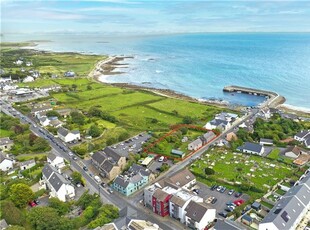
[200,65]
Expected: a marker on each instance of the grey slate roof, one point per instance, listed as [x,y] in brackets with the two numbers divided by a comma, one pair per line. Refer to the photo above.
[227,225]
[62,131]
[57,180]
[51,156]
[98,157]
[139,169]
[195,211]
[24,163]
[2,157]
[3,224]
[47,170]
[75,131]
[266,140]
[302,133]
[196,142]
[301,192]
[121,182]
[107,166]
[209,135]
[217,122]
[177,201]
[111,153]
[5,141]
[306,180]
[251,147]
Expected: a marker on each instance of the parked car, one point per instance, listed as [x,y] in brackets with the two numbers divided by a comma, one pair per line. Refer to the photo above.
[103,184]
[161,159]
[223,189]
[219,188]
[196,190]
[74,158]
[85,168]
[213,187]
[228,209]
[238,194]
[32,204]
[36,202]
[238,202]
[214,200]
[110,190]
[223,214]
[231,192]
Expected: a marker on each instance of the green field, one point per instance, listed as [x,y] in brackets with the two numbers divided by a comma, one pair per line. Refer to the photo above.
[5,133]
[238,169]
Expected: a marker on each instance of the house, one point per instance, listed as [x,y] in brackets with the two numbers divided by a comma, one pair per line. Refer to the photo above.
[194,145]
[218,124]
[198,216]
[178,153]
[178,202]
[28,79]
[64,112]
[264,141]
[39,109]
[302,135]
[56,123]
[160,202]
[292,152]
[56,161]
[207,137]
[246,219]
[50,121]
[6,143]
[231,136]
[57,185]
[227,225]
[108,162]
[290,209]
[6,163]
[131,181]
[68,136]
[135,224]
[252,148]
[264,113]
[183,179]
[230,117]
[27,164]
[69,74]
[307,142]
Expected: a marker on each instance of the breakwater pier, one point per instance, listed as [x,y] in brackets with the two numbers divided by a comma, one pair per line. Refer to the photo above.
[273,98]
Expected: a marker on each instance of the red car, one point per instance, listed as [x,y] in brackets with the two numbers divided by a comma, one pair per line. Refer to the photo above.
[238,202]
[32,204]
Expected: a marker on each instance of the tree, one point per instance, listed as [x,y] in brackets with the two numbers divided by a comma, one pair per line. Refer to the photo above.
[184,130]
[188,120]
[77,118]
[94,131]
[20,194]
[164,167]
[77,177]
[89,87]
[41,144]
[52,113]
[209,171]
[61,207]
[74,87]
[15,227]
[44,218]
[123,136]
[111,141]
[11,213]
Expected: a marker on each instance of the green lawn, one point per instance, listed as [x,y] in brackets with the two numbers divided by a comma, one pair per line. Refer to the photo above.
[5,133]
[237,168]
[25,157]
[270,206]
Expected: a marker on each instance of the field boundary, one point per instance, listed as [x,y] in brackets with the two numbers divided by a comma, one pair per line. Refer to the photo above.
[175,128]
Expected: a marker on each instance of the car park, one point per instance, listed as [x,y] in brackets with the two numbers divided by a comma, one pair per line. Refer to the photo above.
[231,192]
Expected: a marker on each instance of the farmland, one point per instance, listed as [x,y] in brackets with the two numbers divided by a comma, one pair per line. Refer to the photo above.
[238,170]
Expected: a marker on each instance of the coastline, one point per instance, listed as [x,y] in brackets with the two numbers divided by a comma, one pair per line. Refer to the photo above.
[105,68]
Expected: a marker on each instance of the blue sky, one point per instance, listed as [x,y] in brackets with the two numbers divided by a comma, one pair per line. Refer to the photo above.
[154,17]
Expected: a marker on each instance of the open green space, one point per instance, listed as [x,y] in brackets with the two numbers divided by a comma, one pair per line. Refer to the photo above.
[26,157]
[5,133]
[242,171]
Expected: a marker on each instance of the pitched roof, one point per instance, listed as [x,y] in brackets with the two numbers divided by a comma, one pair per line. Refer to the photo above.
[57,180]
[196,142]
[294,149]
[62,131]
[47,170]
[209,135]
[139,169]
[253,147]
[217,122]
[107,166]
[111,153]
[27,162]
[177,201]
[227,225]
[51,156]
[160,195]
[266,140]
[5,141]
[301,192]
[181,178]
[99,157]
[75,131]
[302,134]
[195,211]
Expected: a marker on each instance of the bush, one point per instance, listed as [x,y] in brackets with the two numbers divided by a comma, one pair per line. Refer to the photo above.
[209,171]
[11,213]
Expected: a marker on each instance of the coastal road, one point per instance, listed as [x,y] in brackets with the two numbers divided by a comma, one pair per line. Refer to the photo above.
[61,149]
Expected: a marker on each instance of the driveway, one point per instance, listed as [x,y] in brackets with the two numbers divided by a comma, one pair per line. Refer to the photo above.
[155,164]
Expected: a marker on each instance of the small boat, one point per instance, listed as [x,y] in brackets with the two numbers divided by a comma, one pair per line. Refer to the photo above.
[232,94]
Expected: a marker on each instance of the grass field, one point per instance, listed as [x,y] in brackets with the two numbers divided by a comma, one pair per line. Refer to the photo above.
[237,168]
[275,155]
[5,133]
[26,157]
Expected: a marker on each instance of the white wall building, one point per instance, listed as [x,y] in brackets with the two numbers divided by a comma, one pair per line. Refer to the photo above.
[5,163]
[67,135]
[56,161]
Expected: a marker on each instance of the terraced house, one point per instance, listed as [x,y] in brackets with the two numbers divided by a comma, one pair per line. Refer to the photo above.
[132,180]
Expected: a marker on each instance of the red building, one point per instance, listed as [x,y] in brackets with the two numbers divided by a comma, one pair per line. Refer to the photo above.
[160,202]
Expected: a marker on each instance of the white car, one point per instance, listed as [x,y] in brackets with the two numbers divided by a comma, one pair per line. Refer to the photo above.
[161,159]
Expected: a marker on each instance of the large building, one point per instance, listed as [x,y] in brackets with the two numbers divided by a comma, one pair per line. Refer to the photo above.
[252,148]
[57,185]
[290,209]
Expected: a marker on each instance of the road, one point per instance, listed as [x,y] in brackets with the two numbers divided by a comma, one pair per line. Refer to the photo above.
[120,201]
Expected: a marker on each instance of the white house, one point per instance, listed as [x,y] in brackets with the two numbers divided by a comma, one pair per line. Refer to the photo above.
[56,161]
[6,143]
[198,216]
[252,148]
[5,163]
[218,124]
[68,136]
[50,121]
[57,185]
[28,79]
[27,164]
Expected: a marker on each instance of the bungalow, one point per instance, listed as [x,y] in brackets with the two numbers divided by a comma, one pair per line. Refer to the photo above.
[6,163]
[64,112]
[264,141]
[252,148]
[27,164]
[59,187]
[68,136]
[132,180]
[56,161]
[194,145]
[198,216]
[292,152]
[6,143]
[230,117]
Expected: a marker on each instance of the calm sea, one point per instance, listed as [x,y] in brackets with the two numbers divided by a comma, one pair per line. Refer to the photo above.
[200,65]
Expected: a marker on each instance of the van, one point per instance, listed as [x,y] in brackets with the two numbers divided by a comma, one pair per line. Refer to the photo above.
[97,178]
